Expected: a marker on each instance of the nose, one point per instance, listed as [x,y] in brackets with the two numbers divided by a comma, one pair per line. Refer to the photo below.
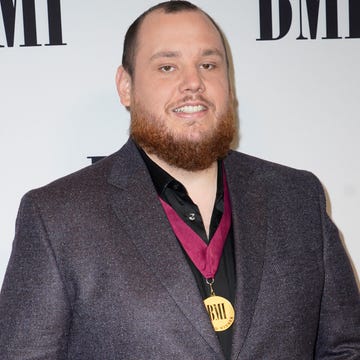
[191,81]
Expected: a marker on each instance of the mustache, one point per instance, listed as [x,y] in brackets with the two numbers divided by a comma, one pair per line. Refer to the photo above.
[192,98]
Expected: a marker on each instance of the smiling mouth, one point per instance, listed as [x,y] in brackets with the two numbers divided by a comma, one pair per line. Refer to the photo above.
[189,109]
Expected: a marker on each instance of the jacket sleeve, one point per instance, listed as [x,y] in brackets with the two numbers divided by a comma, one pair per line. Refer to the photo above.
[34,310]
[339,326]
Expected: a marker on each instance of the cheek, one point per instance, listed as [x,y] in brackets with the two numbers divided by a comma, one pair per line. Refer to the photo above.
[218,88]
[224,88]
[226,93]
[154,95]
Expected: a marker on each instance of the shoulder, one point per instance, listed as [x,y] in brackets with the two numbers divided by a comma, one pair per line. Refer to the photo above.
[265,169]
[123,161]
[76,183]
[83,187]
[273,176]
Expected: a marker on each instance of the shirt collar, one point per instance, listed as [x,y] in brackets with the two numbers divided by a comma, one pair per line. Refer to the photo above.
[163,180]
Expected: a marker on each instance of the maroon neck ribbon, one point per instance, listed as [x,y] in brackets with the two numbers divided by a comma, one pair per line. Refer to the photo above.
[205,257]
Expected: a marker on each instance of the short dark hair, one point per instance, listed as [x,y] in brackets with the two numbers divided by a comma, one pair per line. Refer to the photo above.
[168,7]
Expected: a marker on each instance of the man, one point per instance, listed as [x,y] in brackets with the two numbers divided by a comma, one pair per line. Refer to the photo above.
[176,247]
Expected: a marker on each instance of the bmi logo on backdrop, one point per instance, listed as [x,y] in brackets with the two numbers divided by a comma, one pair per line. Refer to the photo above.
[312,14]
[8,8]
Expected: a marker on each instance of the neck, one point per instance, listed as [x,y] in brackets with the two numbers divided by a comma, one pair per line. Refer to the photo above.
[201,186]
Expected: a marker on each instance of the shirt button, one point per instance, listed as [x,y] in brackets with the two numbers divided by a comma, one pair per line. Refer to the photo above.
[191,216]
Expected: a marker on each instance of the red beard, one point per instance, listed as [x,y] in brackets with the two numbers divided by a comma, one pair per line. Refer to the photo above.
[151,134]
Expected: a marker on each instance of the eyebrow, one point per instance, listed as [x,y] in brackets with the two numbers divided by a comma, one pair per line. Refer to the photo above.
[165,54]
[176,54]
[214,51]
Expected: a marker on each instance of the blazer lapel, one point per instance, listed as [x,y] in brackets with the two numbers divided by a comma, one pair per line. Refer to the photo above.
[139,210]
[249,226]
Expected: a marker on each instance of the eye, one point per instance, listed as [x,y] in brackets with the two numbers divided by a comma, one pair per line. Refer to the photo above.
[207,66]
[167,68]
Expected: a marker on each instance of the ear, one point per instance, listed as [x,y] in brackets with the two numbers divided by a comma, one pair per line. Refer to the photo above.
[123,85]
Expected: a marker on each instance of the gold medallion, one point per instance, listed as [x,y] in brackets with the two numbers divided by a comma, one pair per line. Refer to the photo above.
[221,312]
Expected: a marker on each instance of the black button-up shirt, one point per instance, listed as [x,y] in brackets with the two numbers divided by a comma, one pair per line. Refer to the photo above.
[175,194]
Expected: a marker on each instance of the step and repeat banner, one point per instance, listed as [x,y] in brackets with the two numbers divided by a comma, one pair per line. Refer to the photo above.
[296,75]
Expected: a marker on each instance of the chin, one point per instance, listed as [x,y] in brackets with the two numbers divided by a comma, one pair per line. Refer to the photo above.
[192,134]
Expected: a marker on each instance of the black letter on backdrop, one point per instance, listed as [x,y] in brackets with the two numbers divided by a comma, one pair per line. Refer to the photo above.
[8,8]
[29,17]
[8,13]
[285,17]
[313,17]
[354,19]
[332,20]
[94,159]
[54,15]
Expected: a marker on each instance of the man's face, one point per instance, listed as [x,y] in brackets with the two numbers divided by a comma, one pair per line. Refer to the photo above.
[179,92]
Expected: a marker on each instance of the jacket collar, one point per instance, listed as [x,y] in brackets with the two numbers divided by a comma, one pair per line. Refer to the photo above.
[248,204]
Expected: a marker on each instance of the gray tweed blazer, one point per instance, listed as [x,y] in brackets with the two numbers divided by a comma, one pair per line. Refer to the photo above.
[97,273]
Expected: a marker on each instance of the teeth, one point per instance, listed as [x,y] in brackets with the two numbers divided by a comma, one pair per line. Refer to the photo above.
[190,109]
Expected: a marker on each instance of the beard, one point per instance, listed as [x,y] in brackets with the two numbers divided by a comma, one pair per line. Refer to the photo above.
[152,135]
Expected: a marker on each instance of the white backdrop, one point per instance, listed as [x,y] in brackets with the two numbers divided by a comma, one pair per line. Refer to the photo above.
[298,99]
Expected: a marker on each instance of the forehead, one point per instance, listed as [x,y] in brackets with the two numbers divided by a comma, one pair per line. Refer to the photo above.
[177,31]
